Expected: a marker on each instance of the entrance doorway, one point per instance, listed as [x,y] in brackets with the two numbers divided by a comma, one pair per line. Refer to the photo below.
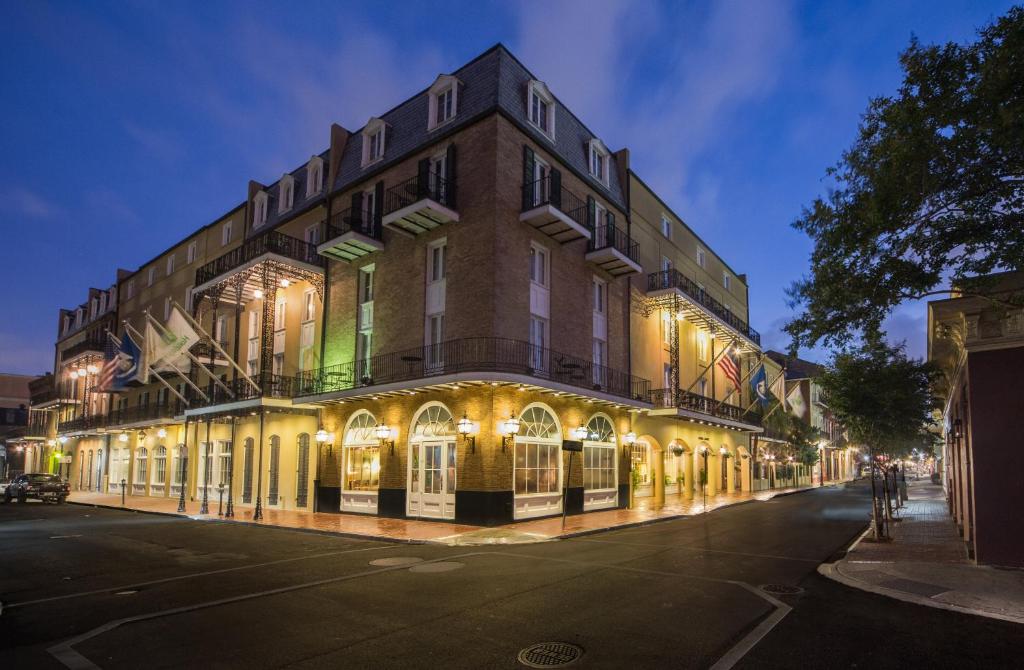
[432,464]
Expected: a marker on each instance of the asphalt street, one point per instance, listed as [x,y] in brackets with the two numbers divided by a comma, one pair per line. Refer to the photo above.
[84,587]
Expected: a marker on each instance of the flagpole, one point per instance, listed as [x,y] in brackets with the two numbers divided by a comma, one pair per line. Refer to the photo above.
[769,385]
[216,346]
[159,378]
[188,381]
[749,372]
[192,358]
[711,365]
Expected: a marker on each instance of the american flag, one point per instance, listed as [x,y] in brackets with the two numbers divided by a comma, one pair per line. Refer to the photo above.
[730,369]
[106,374]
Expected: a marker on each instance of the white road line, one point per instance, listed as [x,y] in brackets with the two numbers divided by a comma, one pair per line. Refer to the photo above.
[66,654]
[192,575]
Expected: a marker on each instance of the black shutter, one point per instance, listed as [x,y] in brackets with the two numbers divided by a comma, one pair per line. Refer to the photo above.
[591,212]
[608,238]
[423,178]
[555,188]
[448,195]
[529,165]
[355,216]
[378,206]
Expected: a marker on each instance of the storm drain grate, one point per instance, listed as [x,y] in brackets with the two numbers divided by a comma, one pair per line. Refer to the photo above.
[550,654]
[782,589]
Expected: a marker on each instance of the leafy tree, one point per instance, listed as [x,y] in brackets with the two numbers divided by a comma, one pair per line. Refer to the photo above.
[930,192]
[802,437]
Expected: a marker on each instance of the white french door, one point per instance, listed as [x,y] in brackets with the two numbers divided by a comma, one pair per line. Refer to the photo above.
[432,479]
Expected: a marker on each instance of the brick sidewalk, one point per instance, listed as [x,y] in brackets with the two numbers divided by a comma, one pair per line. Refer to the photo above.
[926,562]
[412,530]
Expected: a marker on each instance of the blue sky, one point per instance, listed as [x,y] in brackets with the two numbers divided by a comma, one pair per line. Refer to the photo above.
[128,125]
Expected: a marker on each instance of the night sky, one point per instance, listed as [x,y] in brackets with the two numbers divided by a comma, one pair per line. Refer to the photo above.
[126,126]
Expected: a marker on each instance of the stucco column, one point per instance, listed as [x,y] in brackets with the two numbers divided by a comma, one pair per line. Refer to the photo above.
[730,473]
[659,478]
[687,460]
[714,473]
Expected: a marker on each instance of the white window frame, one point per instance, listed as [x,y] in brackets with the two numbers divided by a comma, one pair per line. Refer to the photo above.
[130,289]
[666,227]
[150,276]
[444,85]
[170,265]
[259,213]
[167,308]
[702,257]
[538,92]
[190,255]
[726,280]
[538,250]
[312,234]
[314,176]
[597,161]
[600,295]
[225,231]
[285,194]
[375,128]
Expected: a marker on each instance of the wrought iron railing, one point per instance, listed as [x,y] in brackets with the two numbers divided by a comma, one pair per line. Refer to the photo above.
[546,192]
[352,219]
[695,402]
[272,242]
[475,354]
[271,386]
[421,187]
[120,417]
[96,344]
[673,279]
[608,235]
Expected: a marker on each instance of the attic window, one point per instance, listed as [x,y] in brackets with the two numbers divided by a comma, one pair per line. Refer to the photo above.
[286,193]
[443,101]
[259,211]
[314,175]
[599,161]
[373,141]
[541,108]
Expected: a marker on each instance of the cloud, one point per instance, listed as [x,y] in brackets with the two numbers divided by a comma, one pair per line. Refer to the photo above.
[29,204]
[157,143]
[107,204]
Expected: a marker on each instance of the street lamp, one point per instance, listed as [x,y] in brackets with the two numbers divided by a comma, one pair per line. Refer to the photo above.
[386,434]
[792,471]
[580,433]
[704,454]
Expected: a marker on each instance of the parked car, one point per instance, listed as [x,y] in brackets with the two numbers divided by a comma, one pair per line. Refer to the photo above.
[38,485]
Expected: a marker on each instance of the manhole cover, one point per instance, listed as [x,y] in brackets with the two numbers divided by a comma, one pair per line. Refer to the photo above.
[443,566]
[396,560]
[550,655]
[782,589]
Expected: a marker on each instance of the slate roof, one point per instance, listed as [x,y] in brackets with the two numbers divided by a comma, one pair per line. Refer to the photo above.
[299,201]
[796,368]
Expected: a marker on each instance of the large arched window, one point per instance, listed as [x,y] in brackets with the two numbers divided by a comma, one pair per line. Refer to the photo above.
[433,420]
[599,462]
[224,451]
[273,488]
[247,470]
[160,466]
[362,453]
[302,471]
[141,467]
[538,459]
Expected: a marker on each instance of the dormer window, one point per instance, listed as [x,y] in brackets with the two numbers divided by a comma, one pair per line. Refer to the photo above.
[259,211]
[314,176]
[541,108]
[599,161]
[373,141]
[286,193]
[443,97]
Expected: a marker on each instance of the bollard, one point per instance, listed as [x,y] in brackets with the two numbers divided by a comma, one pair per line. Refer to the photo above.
[220,503]
[123,484]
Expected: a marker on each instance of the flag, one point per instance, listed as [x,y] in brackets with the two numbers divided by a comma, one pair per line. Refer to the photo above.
[730,369]
[169,350]
[129,364]
[106,375]
[797,407]
[759,385]
[779,388]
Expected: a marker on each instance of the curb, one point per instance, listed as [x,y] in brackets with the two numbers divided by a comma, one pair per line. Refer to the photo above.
[831,571]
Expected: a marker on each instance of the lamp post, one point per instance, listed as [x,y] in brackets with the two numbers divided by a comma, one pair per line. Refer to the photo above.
[204,507]
[792,471]
[184,463]
[629,439]
[704,454]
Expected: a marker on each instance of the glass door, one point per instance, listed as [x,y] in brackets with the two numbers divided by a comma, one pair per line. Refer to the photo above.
[432,480]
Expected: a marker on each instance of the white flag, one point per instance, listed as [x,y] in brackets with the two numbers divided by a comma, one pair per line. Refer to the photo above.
[779,388]
[796,402]
[170,348]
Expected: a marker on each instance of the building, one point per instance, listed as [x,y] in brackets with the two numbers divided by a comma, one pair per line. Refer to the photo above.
[427,319]
[14,413]
[978,344]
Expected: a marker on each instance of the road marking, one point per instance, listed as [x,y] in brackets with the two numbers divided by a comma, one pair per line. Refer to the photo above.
[66,654]
[137,585]
[690,547]
[62,537]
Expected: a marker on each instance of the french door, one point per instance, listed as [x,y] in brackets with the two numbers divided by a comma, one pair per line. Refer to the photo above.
[432,479]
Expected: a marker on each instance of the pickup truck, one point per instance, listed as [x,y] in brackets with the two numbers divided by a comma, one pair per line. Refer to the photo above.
[37,485]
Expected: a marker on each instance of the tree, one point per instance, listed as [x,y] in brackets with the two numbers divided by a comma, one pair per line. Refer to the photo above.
[930,194]
[882,398]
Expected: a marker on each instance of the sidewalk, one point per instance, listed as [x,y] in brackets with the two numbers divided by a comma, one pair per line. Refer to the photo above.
[926,563]
[442,532]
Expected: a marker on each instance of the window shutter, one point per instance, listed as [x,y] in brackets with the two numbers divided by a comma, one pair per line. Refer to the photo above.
[355,215]
[423,178]
[610,221]
[528,169]
[449,177]
[555,195]
[591,212]
[378,198]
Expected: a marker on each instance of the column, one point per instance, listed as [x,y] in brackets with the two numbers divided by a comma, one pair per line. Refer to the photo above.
[687,460]
[714,473]
[730,473]
[659,477]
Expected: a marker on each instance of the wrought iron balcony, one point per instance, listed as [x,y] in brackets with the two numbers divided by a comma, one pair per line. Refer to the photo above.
[694,402]
[271,244]
[271,386]
[555,211]
[91,345]
[474,355]
[612,250]
[120,417]
[705,305]
[420,204]
[351,234]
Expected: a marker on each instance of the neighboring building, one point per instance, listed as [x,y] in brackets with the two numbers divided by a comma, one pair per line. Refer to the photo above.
[423,313]
[978,345]
[14,403]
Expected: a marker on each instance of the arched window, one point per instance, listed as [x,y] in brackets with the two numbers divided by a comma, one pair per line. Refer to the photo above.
[538,461]
[434,420]
[599,463]
[275,470]
[362,453]
[160,466]
[141,467]
[223,462]
[247,471]
[302,471]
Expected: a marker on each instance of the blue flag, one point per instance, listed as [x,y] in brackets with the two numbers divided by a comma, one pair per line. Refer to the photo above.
[130,364]
[759,385]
